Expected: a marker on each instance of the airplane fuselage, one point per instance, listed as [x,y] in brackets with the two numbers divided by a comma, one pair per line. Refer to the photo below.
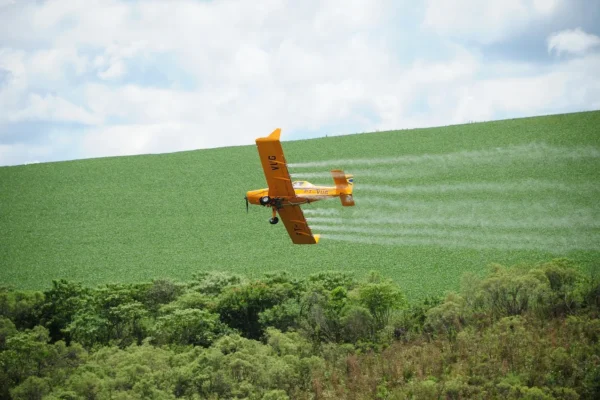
[302,195]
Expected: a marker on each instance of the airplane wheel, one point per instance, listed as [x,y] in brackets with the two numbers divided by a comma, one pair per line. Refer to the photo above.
[265,200]
[273,221]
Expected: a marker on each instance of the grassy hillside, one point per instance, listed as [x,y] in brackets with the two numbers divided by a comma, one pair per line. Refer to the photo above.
[431,204]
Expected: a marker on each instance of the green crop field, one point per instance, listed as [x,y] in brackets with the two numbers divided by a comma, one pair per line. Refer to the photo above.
[431,204]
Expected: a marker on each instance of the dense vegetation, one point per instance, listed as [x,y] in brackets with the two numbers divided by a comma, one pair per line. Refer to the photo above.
[520,332]
[134,219]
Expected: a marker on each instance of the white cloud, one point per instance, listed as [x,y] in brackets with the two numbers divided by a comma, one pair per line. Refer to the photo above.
[125,139]
[52,108]
[150,138]
[433,83]
[52,147]
[50,65]
[546,6]
[222,73]
[574,41]
[6,3]
[511,89]
[116,70]
[23,154]
[112,64]
[485,21]
[12,64]
[32,77]
[463,65]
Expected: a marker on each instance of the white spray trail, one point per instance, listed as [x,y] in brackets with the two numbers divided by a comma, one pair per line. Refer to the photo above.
[530,222]
[367,173]
[468,206]
[396,173]
[318,211]
[529,185]
[532,151]
[584,241]
[556,248]
[390,174]
[532,213]
[444,217]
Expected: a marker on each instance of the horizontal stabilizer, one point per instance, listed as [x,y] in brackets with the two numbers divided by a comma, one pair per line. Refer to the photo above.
[347,200]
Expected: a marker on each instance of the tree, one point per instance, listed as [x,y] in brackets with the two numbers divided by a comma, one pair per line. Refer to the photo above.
[240,306]
[161,291]
[380,298]
[447,318]
[213,283]
[511,291]
[282,316]
[190,326]
[563,296]
[21,307]
[322,313]
[26,354]
[89,329]
[33,388]
[127,321]
[61,304]
[329,280]
[7,329]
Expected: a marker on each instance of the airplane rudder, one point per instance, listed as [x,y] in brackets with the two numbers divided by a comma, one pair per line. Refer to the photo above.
[276,134]
[348,200]
[339,178]
[350,180]
[273,137]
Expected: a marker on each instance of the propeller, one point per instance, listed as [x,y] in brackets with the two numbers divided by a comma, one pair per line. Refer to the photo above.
[246,198]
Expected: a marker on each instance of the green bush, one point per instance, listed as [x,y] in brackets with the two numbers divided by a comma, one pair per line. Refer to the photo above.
[189,327]
[523,332]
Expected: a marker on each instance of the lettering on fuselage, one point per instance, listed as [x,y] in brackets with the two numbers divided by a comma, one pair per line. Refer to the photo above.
[273,163]
[298,229]
[317,191]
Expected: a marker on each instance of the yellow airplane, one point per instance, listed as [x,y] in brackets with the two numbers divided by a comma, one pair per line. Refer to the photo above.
[285,197]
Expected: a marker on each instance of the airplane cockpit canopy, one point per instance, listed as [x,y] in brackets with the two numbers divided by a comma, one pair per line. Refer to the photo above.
[301,184]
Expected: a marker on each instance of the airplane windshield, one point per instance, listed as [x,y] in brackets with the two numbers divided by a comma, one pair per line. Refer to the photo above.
[301,184]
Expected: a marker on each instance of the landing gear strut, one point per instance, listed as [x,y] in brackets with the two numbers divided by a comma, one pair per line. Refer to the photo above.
[273,220]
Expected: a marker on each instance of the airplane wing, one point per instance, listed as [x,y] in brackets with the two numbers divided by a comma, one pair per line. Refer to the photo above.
[274,165]
[296,225]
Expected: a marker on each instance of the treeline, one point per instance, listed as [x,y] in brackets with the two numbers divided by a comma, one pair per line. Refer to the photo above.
[521,332]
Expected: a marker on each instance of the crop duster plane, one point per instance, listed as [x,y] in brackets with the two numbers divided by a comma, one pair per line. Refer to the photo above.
[285,197]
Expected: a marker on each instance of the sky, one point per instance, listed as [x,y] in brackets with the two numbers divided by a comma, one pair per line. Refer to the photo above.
[97,78]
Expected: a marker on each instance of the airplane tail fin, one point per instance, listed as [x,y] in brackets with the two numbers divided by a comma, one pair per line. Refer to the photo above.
[344,184]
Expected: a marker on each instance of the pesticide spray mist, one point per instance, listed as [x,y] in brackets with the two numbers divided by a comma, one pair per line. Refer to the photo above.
[533,151]
[555,214]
